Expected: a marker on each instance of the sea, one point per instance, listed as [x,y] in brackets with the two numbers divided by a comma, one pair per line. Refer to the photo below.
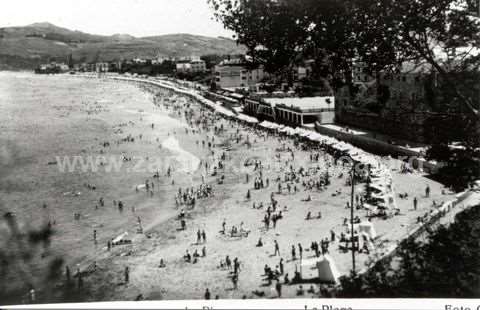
[45,119]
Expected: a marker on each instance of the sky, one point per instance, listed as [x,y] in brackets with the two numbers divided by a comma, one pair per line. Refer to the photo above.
[107,17]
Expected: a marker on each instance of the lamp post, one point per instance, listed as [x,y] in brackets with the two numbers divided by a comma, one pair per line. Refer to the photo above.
[352,234]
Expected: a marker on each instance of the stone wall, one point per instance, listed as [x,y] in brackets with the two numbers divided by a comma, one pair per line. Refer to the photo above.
[398,127]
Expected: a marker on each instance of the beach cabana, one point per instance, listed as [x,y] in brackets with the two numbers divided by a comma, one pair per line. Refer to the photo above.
[367,228]
[265,124]
[327,270]
[314,136]
[289,131]
[322,268]
[246,118]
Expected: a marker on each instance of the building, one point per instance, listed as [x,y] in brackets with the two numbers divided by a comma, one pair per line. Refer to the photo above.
[102,67]
[303,70]
[139,60]
[360,73]
[234,74]
[191,66]
[114,66]
[51,68]
[293,111]
[395,104]
[198,66]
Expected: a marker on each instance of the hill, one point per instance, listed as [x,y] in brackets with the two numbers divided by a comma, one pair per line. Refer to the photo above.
[25,47]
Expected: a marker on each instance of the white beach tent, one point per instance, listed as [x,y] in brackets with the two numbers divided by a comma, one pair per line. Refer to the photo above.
[327,270]
[315,136]
[367,228]
[379,197]
[323,268]
[247,118]
[265,124]
[365,238]
[120,238]
[274,126]
[290,131]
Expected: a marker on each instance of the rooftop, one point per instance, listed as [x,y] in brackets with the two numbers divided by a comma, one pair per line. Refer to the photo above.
[304,104]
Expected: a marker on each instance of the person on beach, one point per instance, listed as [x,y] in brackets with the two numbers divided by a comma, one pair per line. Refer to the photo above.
[236,265]
[259,243]
[127,274]
[278,288]
[162,263]
[235,281]
[277,248]
[224,224]
[80,281]
[67,274]
[187,257]
[228,262]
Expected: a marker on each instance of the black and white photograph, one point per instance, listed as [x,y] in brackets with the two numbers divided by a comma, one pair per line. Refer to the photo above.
[240,150]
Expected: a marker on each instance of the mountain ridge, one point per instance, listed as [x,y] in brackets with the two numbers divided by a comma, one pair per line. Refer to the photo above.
[24,47]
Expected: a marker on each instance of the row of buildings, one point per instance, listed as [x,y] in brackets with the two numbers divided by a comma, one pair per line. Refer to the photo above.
[396,104]
[52,67]
[190,64]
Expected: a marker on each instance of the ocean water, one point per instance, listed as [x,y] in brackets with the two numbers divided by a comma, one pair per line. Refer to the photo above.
[45,117]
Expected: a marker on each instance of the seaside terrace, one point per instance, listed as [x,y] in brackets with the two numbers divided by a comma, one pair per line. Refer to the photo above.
[293,111]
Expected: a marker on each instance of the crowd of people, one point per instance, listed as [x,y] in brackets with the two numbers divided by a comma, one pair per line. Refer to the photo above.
[282,176]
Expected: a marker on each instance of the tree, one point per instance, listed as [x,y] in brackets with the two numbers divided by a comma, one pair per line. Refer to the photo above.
[440,35]
[20,268]
[269,29]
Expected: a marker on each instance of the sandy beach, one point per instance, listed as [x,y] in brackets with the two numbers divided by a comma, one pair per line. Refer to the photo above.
[47,118]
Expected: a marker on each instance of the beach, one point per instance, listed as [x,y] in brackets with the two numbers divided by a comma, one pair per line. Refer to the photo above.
[50,118]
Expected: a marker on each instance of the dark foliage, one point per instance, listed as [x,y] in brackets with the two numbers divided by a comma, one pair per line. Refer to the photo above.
[446,266]
[20,252]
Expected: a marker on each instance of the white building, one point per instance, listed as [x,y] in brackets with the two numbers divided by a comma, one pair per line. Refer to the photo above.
[193,66]
[293,111]
[101,67]
[234,74]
